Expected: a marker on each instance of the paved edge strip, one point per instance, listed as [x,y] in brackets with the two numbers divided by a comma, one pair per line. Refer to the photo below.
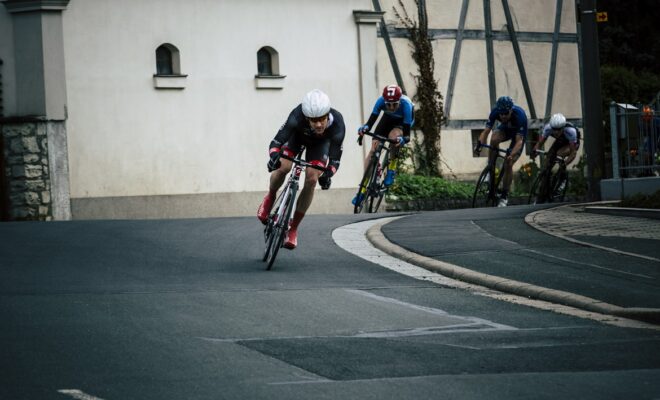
[530,220]
[378,240]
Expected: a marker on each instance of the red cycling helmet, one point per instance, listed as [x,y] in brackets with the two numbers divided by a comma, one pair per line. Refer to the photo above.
[391,93]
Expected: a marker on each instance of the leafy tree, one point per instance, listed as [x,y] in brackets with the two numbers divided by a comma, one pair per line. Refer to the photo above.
[429,114]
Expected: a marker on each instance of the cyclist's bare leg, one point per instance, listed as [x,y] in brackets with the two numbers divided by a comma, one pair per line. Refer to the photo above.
[394,134]
[495,139]
[508,172]
[307,193]
[374,144]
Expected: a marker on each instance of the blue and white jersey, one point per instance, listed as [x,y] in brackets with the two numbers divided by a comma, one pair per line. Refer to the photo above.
[517,124]
[403,112]
[569,132]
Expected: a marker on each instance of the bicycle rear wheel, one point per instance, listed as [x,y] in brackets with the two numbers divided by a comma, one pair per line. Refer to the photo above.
[481,196]
[559,188]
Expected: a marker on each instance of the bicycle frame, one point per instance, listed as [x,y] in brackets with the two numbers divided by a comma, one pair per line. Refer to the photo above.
[277,225]
[546,186]
[371,190]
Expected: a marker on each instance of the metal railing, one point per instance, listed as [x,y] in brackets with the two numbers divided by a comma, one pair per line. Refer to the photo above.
[635,138]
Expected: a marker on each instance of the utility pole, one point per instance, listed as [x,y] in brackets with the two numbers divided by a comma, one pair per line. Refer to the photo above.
[591,103]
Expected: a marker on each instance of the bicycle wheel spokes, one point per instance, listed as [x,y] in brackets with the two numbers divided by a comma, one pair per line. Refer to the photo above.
[277,238]
[535,191]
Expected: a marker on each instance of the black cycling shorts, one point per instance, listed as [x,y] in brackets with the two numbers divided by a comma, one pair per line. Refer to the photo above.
[316,149]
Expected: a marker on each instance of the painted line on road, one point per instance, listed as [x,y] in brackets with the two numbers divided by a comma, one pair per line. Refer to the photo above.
[78,394]
[588,264]
[354,239]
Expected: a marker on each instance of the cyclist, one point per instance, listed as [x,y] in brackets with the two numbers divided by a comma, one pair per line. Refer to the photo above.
[318,127]
[566,144]
[512,126]
[398,117]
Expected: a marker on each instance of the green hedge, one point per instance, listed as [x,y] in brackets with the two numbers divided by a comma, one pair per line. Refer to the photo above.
[408,187]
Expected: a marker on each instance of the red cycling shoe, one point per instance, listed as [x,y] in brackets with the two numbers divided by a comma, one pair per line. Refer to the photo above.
[291,240]
[264,209]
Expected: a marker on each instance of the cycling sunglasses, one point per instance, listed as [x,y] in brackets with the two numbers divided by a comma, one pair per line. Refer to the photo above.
[318,119]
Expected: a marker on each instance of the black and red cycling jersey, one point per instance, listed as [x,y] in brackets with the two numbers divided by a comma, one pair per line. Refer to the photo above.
[323,150]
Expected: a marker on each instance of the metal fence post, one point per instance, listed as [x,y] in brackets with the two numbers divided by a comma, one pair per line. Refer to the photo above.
[614,137]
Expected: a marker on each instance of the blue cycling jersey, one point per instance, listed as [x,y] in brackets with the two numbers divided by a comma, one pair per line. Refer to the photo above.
[404,111]
[517,124]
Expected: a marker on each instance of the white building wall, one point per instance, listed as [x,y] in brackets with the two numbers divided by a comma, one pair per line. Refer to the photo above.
[471,92]
[127,138]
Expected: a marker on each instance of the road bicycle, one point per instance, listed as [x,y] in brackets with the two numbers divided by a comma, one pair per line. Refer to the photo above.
[551,183]
[372,188]
[487,192]
[277,225]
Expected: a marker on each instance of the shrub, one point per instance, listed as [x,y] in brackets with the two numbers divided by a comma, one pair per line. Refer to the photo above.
[408,187]
[642,201]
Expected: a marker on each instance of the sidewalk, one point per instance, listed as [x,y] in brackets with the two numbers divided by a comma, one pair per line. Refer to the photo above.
[452,244]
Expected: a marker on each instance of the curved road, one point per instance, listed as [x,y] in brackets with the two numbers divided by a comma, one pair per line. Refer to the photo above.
[183,309]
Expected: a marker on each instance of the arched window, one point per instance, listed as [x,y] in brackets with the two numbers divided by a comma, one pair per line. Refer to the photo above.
[268,69]
[267,62]
[167,60]
[168,68]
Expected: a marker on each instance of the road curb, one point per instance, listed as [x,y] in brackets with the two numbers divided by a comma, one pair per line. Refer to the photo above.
[378,240]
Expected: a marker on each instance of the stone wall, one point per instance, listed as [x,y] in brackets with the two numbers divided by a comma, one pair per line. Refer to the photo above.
[26,169]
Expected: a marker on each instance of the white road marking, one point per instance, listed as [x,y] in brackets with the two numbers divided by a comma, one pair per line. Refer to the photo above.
[352,238]
[77,394]
[588,264]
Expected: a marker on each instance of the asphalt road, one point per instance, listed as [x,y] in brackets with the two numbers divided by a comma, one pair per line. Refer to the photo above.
[183,309]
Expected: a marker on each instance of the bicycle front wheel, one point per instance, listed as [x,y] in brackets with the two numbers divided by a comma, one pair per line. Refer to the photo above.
[560,188]
[378,186]
[535,191]
[280,228]
[362,192]
[481,196]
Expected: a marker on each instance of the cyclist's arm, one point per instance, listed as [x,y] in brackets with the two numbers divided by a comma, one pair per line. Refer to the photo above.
[285,132]
[336,143]
[371,121]
[517,147]
[484,135]
[573,153]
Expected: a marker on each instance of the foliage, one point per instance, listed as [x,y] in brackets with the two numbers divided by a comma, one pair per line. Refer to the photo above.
[627,39]
[642,201]
[577,181]
[417,187]
[525,176]
[430,111]
[623,84]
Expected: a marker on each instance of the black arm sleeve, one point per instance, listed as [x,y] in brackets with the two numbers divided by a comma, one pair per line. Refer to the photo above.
[406,131]
[286,130]
[337,140]
[372,120]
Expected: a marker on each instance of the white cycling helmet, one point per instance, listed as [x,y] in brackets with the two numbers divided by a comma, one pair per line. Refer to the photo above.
[315,104]
[557,121]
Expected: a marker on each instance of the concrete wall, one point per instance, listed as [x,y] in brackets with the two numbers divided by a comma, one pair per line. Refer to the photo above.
[127,138]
